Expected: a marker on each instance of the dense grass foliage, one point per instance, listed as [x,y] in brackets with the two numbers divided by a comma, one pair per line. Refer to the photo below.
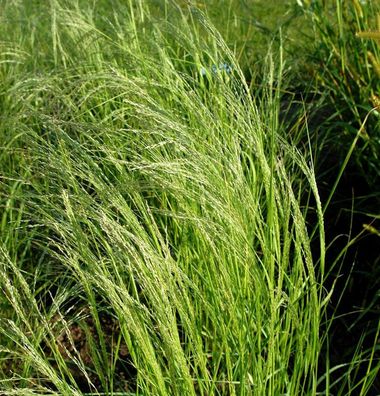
[162,231]
[346,65]
[343,63]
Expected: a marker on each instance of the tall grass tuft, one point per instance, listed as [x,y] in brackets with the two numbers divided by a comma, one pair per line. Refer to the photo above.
[154,239]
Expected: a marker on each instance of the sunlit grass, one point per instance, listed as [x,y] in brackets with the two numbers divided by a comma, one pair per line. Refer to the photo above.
[155,234]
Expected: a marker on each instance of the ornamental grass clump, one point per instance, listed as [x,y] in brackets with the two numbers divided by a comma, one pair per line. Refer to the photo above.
[153,237]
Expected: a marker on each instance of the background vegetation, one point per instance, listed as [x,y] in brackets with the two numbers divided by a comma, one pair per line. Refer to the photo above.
[188,197]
